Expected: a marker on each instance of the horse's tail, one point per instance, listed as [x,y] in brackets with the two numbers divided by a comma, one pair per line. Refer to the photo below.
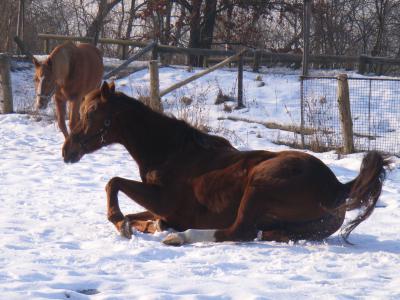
[363,192]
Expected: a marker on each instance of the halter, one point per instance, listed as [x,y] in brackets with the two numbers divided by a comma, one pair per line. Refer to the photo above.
[100,133]
[47,97]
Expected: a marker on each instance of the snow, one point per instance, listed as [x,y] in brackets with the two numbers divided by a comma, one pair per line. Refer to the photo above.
[56,242]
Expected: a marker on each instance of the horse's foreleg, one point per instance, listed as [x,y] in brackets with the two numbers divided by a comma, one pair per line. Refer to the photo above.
[145,222]
[60,112]
[74,105]
[149,196]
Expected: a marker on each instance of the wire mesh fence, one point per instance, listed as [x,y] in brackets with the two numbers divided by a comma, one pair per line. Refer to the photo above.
[375,111]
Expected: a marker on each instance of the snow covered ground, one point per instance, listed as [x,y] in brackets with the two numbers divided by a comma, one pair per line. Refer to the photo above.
[56,242]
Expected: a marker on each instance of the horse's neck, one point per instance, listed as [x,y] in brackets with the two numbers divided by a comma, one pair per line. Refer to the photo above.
[153,146]
[61,64]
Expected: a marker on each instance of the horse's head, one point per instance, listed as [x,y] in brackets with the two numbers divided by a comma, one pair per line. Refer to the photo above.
[45,84]
[95,126]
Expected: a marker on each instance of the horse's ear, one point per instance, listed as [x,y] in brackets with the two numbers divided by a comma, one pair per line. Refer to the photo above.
[112,87]
[36,62]
[105,91]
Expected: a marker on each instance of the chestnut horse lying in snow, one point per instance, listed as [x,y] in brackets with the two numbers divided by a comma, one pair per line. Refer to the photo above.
[69,73]
[198,182]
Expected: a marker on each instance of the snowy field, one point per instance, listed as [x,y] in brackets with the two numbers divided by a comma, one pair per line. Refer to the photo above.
[56,242]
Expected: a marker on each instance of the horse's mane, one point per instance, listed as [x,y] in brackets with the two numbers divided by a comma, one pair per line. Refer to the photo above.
[184,132]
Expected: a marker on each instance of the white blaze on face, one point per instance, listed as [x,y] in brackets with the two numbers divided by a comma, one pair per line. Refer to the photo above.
[39,100]
[40,86]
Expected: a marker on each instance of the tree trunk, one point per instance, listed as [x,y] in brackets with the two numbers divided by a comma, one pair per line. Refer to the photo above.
[94,28]
[179,25]
[167,23]
[381,11]
[194,38]
[121,22]
[132,12]
[207,30]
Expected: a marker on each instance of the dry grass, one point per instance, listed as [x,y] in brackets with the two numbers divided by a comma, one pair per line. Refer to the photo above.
[190,105]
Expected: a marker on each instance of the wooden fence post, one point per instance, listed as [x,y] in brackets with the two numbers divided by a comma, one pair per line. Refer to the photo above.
[155,100]
[362,64]
[240,83]
[124,51]
[257,59]
[154,53]
[205,62]
[345,113]
[46,45]
[6,100]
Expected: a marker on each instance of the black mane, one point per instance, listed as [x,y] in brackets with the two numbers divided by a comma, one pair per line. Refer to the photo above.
[184,131]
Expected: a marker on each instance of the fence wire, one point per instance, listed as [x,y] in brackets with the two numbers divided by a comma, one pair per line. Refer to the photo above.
[375,110]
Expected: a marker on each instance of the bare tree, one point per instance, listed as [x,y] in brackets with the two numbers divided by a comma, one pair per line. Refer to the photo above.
[94,29]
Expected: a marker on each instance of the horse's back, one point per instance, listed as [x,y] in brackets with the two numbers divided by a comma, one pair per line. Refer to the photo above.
[88,68]
[92,52]
[292,167]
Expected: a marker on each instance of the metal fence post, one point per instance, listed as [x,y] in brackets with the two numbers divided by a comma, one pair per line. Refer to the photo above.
[6,100]
[306,35]
[240,82]
[302,111]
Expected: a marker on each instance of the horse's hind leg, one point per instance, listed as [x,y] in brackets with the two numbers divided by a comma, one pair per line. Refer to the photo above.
[315,230]
[243,229]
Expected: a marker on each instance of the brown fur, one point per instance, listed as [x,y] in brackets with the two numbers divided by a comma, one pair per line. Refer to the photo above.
[195,180]
[73,71]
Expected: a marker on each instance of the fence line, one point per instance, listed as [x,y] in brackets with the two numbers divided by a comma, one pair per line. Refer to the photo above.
[255,57]
[375,113]
[130,60]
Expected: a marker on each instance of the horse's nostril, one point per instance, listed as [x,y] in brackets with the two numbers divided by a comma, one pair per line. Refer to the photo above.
[40,103]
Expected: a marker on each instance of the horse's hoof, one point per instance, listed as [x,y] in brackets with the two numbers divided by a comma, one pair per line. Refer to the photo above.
[126,229]
[159,225]
[174,239]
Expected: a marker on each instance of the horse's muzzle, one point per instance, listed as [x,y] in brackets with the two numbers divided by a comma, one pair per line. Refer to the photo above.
[70,154]
[40,103]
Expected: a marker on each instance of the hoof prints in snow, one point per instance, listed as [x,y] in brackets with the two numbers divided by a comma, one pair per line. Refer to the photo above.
[88,292]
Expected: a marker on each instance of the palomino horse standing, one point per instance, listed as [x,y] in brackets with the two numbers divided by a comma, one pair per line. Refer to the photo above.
[69,73]
[200,183]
